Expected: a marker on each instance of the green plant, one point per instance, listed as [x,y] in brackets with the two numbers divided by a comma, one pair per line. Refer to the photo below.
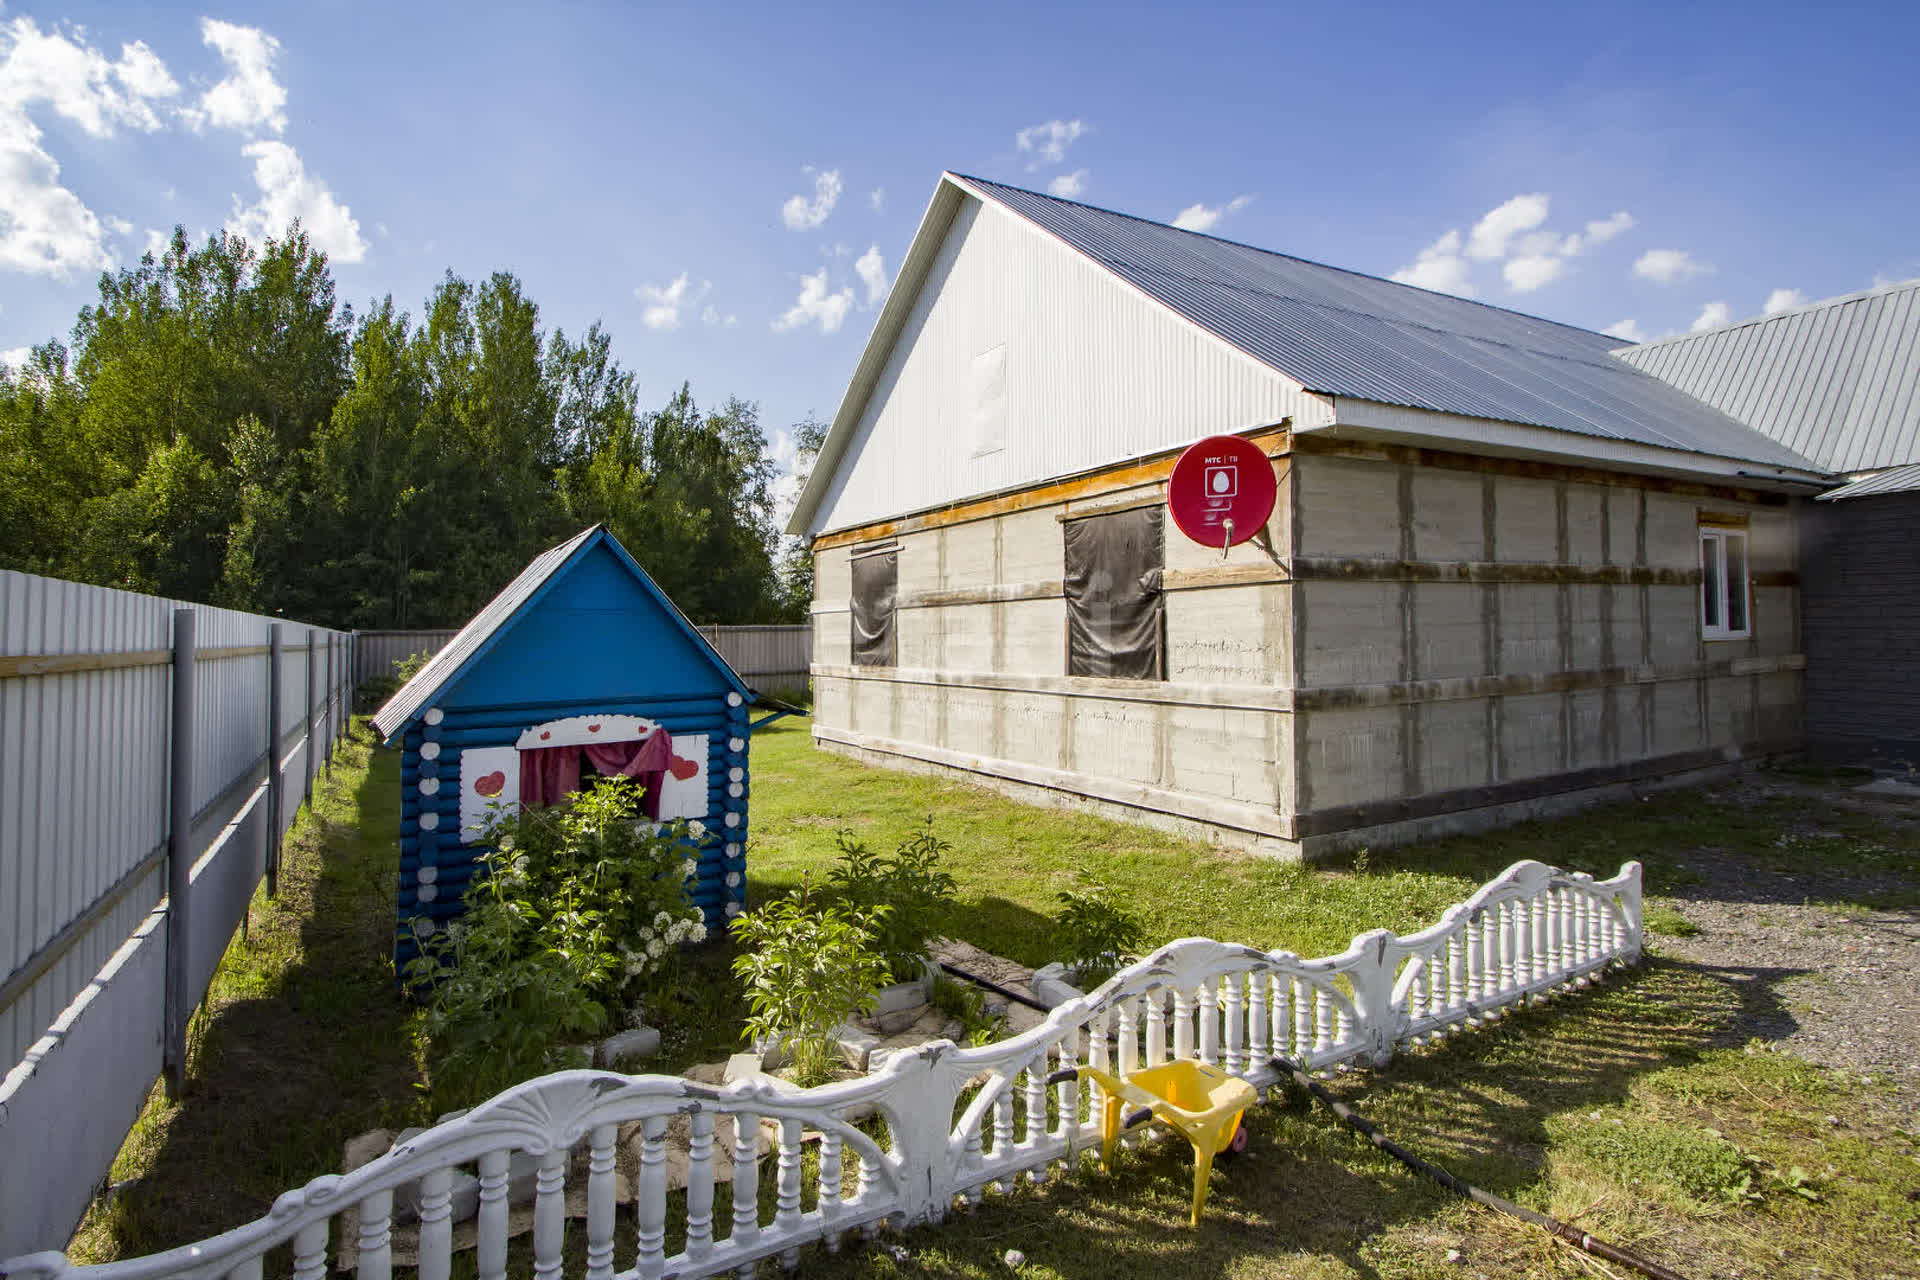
[1095,929]
[580,908]
[909,884]
[405,669]
[808,965]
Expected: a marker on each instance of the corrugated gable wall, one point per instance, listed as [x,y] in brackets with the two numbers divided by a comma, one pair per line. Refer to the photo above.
[1093,373]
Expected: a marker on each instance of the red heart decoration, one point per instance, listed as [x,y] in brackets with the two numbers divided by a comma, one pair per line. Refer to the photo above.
[491,784]
[683,768]
[546,734]
[593,728]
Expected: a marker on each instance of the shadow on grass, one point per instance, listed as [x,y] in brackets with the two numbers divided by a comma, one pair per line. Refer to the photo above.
[1310,1198]
[302,1043]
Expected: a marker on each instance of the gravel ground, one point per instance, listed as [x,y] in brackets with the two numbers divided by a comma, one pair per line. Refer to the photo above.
[1841,983]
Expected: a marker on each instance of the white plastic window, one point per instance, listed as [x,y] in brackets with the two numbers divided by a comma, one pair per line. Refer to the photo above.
[1725,589]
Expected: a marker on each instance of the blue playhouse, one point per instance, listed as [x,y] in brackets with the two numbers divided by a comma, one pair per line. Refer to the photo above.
[581,666]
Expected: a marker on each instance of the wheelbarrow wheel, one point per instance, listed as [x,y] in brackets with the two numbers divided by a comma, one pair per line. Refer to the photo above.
[1238,1142]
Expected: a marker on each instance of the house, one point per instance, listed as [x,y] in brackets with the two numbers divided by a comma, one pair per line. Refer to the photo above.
[581,666]
[1481,595]
[1839,382]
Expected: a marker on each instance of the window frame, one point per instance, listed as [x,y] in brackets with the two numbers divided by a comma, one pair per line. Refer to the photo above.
[887,553]
[1150,579]
[1716,543]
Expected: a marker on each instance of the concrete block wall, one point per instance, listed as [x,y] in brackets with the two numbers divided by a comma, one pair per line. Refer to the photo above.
[1472,636]
[981,680]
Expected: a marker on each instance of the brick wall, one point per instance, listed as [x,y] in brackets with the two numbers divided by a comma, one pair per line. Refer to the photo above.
[1860,625]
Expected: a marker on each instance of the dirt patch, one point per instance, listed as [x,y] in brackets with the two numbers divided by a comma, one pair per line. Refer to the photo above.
[1845,977]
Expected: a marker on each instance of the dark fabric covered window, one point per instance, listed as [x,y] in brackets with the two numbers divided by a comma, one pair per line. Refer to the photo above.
[1116,616]
[876,580]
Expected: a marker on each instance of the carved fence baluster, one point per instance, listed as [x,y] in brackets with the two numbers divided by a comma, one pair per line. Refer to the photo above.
[699,1185]
[376,1236]
[600,1202]
[1035,1129]
[1323,1020]
[1302,1020]
[746,1184]
[491,1229]
[310,1252]
[976,1159]
[436,1224]
[1259,1022]
[549,1213]
[1234,1013]
[1156,1026]
[786,1214]
[1003,1131]
[249,1269]
[828,1198]
[1066,1100]
[1459,990]
[1184,1008]
[1543,936]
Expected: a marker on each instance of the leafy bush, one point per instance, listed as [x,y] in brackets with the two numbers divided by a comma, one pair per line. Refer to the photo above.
[904,893]
[1095,929]
[809,964]
[579,908]
[405,669]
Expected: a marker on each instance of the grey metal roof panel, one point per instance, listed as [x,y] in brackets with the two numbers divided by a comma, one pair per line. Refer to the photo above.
[1894,480]
[1836,380]
[1343,333]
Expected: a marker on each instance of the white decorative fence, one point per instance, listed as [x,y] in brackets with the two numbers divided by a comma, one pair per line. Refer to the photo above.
[956,1120]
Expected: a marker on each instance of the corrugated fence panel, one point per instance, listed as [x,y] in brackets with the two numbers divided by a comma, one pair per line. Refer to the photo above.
[375,652]
[85,702]
[768,655]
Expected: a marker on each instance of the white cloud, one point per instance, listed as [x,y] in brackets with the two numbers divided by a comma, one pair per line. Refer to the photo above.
[1627,330]
[1600,231]
[801,214]
[1664,266]
[878,199]
[663,304]
[1489,237]
[158,242]
[1047,143]
[1068,186]
[1200,217]
[248,97]
[1783,300]
[872,270]
[287,192]
[16,357]
[1712,316]
[1439,267]
[711,314]
[1532,271]
[45,228]
[816,306]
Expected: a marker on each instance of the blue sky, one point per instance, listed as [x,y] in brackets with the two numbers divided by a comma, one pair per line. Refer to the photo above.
[687,174]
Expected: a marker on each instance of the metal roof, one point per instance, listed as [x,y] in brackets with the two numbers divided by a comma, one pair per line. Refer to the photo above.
[447,665]
[1838,381]
[1896,480]
[1347,334]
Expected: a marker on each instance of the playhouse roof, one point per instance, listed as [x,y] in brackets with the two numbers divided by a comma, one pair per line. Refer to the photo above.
[520,595]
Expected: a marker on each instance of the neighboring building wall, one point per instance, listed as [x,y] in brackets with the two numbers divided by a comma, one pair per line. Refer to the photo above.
[1862,628]
[980,681]
[1479,640]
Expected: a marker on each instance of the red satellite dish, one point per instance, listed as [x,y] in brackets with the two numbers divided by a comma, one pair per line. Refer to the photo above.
[1221,491]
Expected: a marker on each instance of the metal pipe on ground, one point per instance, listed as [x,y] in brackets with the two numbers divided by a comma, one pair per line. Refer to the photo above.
[1553,1226]
[994,987]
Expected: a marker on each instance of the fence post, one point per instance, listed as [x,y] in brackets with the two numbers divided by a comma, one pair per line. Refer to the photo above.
[327,759]
[179,855]
[276,652]
[306,726]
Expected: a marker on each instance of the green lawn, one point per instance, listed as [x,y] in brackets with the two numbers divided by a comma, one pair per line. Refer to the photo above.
[1635,1108]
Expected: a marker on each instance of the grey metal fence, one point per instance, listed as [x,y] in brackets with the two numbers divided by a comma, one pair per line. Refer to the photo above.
[140,804]
[767,657]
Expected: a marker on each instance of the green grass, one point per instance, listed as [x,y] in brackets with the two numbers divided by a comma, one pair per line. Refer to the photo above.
[1635,1109]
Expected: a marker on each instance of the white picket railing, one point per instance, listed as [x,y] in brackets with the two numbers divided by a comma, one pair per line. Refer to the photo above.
[1530,932]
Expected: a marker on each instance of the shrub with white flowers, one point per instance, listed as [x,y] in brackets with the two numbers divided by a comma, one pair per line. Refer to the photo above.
[581,908]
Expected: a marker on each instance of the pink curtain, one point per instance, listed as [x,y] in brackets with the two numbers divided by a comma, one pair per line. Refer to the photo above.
[549,775]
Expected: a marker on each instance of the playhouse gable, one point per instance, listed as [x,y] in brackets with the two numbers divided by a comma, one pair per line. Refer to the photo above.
[595,632]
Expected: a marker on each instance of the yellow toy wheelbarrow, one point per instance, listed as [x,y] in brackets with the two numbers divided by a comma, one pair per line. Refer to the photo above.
[1201,1101]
